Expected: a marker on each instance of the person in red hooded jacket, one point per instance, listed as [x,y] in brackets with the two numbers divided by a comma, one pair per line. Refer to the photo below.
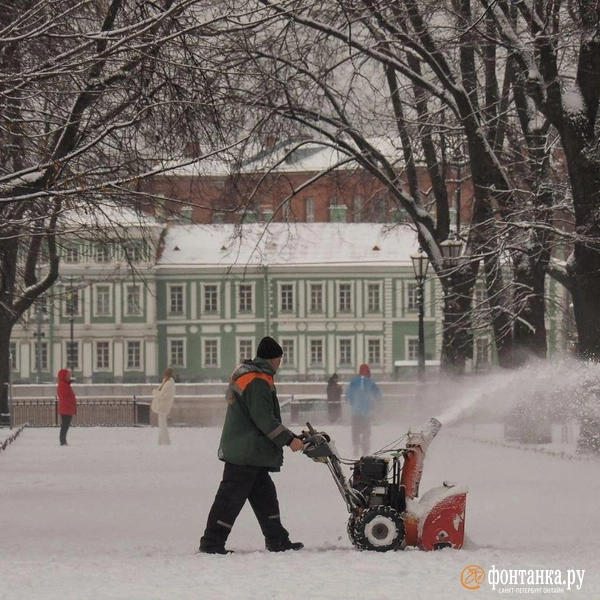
[67,403]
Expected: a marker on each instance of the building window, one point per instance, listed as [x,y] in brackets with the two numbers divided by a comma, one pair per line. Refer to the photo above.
[14,364]
[211,299]
[316,297]
[479,296]
[358,208]
[72,354]
[211,353]
[134,355]
[245,298]
[289,351]
[134,252]
[345,352]
[40,358]
[102,253]
[72,305]
[245,349]
[412,349]
[133,300]
[176,300]
[374,354]
[310,210]
[102,355]
[345,297]
[412,296]
[482,352]
[103,308]
[316,353]
[71,254]
[177,353]
[286,297]
[374,298]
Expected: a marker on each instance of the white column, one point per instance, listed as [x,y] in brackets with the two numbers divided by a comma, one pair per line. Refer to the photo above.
[118,357]
[118,301]
[193,300]
[151,356]
[87,356]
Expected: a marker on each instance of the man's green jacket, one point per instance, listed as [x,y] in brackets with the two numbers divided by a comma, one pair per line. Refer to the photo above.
[253,433]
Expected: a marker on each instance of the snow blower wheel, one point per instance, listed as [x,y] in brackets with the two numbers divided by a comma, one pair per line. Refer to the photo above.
[379,528]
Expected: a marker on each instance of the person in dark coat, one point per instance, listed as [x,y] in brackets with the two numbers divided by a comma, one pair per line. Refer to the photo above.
[251,447]
[334,399]
[67,403]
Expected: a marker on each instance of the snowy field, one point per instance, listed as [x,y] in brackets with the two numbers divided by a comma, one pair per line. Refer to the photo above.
[115,516]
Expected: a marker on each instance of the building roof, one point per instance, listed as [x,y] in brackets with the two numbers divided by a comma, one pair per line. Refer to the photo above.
[282,244]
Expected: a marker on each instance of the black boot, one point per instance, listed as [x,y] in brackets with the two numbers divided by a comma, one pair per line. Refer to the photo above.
[284,546]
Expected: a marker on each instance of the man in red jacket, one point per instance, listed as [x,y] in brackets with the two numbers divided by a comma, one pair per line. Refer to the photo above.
[67,403]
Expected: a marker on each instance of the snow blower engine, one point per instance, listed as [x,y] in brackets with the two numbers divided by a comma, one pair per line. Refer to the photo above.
[381,495]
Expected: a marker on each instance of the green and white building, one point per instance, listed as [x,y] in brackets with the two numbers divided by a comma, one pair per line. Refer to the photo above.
[144,296]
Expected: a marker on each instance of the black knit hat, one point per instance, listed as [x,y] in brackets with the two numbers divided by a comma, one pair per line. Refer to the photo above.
[269,348]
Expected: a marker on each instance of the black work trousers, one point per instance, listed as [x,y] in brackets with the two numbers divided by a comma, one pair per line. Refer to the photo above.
[65,423]
[241,483]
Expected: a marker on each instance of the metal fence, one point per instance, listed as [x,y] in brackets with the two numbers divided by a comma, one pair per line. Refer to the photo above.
[91,412]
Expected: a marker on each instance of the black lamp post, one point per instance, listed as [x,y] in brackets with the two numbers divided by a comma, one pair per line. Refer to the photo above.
[420,265]
[71,316]
[458,158]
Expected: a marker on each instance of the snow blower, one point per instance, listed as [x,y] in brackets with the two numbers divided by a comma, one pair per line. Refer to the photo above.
[381,495]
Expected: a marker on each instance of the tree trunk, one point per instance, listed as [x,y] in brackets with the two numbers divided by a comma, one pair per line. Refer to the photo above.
[5,331]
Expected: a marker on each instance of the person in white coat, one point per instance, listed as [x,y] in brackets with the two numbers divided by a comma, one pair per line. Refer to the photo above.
[162,402]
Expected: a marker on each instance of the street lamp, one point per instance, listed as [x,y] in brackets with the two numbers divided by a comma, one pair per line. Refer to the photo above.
[71,317]
[451,250]
[420,265]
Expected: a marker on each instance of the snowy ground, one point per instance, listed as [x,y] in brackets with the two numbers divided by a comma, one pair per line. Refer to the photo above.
[115,516]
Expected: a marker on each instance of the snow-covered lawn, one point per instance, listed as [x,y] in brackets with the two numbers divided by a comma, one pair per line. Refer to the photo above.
[115,516]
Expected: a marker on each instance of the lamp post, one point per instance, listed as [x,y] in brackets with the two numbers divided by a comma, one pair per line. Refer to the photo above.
[420,265]
[71,317]
[458,158]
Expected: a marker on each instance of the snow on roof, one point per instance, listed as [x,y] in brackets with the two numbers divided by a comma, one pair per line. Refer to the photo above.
[288,156]
[280,244]
[106,215]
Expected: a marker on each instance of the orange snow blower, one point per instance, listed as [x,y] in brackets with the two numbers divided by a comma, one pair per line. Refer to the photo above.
[382,495]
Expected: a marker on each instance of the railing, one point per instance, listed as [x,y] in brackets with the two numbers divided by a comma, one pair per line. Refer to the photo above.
[91,412]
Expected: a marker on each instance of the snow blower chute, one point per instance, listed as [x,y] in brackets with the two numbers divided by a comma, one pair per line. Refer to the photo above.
[381,495]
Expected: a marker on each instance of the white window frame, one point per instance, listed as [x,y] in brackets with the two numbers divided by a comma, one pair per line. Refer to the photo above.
[310,209]
[205,341]
[411,341]
[126,366]
[103,253]
[71,254]
[97,367]
[65,303]
[351,359]
[292,285]
[370,359]
[238,298]
[110,300]
[45,355]
[310,296]
[203,311]
[379,309]
[289,361]
[309,351]
[483,340]
[344,284]
[67,346]
[170,341]
[244,341]
[412,293]
[170,288]
[126,311]
[13,348]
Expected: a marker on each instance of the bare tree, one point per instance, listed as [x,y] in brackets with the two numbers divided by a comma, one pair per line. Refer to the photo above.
[94,95]
[394,85]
